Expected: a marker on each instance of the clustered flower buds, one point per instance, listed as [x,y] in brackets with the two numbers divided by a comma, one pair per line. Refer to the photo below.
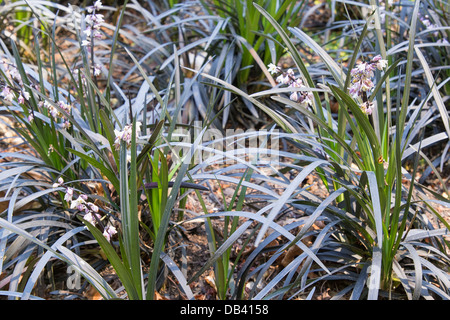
[288,78]
[21,95]
[81,203]
[59,183]
[428,24]
[8,93]
[125,135]
[109,232]
[431,26]
[93,24]
[55,113]
[361,80]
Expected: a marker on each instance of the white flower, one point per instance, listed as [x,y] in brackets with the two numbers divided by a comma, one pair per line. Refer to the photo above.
[97,19]
[125,135]
[78,203]
[87,31]
[89,217]
[7,93]
[382,64]
[97,70]
[284,79]
[272,68]
[26,95]
[69,194]
[59,183]
[98,5]
[379,63]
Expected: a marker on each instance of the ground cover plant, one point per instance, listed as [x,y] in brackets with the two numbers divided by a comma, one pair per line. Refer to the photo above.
[225,150]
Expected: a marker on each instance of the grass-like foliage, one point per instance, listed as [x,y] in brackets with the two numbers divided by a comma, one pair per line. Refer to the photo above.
[108,110]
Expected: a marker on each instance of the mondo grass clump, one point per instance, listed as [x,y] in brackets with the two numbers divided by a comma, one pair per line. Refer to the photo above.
[312,162]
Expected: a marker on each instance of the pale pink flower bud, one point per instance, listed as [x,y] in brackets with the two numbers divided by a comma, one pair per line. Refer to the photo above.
[109,232]
[93,207]
[294,96]
[78,203]
[89,217]
[59,183]
[7,93]
[281,78]
[297,83]
[69,194]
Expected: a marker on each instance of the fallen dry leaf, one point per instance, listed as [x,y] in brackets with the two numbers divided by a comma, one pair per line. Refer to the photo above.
[92,294]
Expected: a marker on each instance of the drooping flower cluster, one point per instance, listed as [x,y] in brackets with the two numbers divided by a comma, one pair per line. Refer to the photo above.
[91,31]
[432,26]
[125,135]
[288,78]
[82,203]
[55,113]
[361,82]
[21,95]
[108,232]
[428,24]
[9,93]
[93,24]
